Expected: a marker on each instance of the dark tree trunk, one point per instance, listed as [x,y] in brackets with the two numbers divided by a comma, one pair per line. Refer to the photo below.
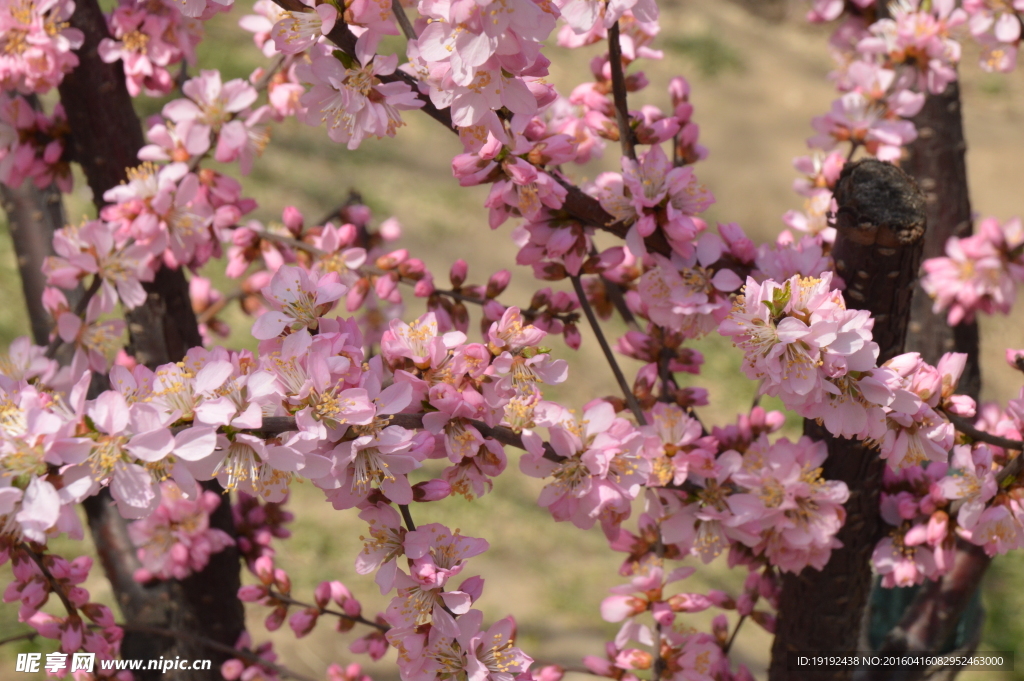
[937,162]
[880,223]
[106,138]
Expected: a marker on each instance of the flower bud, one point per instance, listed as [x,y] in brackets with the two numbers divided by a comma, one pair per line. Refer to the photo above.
[303,621]
[458,273]
[431,490]
[497,283]
[292,218]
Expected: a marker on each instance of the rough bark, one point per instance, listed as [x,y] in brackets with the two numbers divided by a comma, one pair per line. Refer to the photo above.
[106,137]
[880,222]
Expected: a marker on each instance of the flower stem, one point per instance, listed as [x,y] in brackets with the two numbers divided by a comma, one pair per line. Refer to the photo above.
[634,406]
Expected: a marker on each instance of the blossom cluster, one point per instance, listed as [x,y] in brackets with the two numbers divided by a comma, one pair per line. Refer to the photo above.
[379,413]
[176,539]
[148,38]
[37,44]
[805,347]
[32,144]
[979,273]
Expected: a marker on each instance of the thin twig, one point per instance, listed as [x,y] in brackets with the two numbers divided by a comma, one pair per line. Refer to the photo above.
[634,406]
[27,636]
[614,293]
[728,646]
[407,517]
[504,435]
[209,313]
[327,611]
[968,428]
[619,93]
[403,20]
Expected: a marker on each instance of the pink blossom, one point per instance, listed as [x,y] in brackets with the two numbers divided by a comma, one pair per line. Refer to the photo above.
[298,298]
[296,32]
[176,540]
[352,101]
[649,194]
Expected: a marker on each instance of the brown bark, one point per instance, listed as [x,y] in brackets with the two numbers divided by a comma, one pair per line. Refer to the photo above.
[106,137]
[880,222]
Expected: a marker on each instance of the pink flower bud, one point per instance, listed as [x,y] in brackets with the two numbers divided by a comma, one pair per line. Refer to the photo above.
[572,337]
[678,90]
[498,283]
[474,586]
[232,669]
[493,310]
[458,273]
[916,535]
[276,618]
[251,593]
[100,614]
[720,628]
[424,287]
[71,637]
[386,287]
[46,624]
[264,569]
[392,260]
[283,581]
[938,528]
[357,295]
[347,234]
[431,490]
[721,599]
[303,621]
[322,594]
[390,229]
[292,218]
[551,672]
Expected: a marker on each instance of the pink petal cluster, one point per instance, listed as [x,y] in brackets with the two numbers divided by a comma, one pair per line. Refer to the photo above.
[651,194]
[979,273]
[37,44]
[148,39]
[352,100]
[32,144]
[176,540]
[805,347]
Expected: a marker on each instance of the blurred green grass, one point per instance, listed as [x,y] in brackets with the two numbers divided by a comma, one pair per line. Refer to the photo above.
[755,88]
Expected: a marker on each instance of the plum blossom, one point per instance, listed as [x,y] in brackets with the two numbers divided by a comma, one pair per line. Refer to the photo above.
[298,298]
[352,100]
[649,194]
[176,540]
[978,273]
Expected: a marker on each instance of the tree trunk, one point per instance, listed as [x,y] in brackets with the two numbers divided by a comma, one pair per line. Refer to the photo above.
[880,222]
[106,138]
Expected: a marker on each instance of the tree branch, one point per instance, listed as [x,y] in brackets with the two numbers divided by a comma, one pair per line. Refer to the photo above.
[577,205]
[595,325]
[619,93]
